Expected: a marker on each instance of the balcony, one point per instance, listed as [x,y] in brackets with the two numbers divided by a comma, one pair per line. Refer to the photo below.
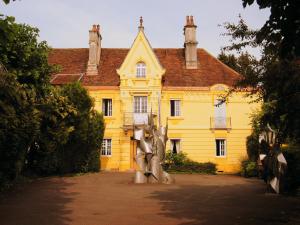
[220,123]
[131,118]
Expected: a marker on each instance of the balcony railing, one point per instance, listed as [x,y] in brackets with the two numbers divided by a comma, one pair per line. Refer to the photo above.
[131,118]
[220,123]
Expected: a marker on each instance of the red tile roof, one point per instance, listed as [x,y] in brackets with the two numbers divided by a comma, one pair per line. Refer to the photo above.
[210,70]
[65,78]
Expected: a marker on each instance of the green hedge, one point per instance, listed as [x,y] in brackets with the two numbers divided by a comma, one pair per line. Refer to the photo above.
[180,163]
[249,168]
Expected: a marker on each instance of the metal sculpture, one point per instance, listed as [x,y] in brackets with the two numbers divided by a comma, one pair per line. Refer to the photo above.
[273,162]
[150,155]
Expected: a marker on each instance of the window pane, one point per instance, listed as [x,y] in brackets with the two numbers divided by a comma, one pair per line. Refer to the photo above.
[106,147]
[140,70]
[175,107]
[220,147]
[217,147]
[109,147]
[172,108]
[107,107]
[103,151]
[175,145]
[140,104]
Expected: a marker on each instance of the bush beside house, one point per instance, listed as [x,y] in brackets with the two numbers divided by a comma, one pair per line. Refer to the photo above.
[180,163]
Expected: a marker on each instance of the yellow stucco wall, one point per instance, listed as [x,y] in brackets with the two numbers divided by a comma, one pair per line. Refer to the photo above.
[192,127]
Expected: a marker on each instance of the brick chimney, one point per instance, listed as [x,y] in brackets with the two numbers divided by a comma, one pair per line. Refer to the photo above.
[190,43]
[94,50]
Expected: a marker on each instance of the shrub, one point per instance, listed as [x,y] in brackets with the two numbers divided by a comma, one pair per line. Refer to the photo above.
[249,168]
[181,163]
[252,145]
[70,135]
[176,159]
[292,156]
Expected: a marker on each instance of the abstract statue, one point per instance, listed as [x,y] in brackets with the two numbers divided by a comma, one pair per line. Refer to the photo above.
[150,154]
[273,162]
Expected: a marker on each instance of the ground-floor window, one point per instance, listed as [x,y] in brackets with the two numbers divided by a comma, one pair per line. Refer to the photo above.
[175,145]
[106,147]
[220,147]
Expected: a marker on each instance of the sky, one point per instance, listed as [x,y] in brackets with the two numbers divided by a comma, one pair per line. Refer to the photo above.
[65,23]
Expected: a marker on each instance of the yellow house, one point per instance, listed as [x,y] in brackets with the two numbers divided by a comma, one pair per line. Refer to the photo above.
[181,86]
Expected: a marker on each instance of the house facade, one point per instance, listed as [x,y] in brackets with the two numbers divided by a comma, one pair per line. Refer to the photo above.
[180,86]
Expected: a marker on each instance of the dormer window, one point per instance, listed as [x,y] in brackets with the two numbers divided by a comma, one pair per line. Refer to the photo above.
[141,69]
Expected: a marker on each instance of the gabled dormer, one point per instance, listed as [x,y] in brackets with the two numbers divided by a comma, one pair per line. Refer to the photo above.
[141,66]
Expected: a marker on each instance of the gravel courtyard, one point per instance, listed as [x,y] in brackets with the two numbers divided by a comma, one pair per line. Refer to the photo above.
[112,199]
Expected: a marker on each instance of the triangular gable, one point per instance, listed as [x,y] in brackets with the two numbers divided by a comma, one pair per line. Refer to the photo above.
[141,51]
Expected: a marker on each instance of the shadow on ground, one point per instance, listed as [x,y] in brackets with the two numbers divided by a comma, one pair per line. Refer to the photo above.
[46,204]
[227,205]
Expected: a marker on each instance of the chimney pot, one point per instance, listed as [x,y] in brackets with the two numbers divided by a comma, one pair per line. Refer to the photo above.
[187,20]
[192,20]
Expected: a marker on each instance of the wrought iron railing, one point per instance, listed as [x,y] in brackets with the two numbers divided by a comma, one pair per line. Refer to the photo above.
[131,118]
[220,123]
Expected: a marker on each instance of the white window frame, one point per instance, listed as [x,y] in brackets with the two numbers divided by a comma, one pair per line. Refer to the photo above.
[223,147]
[140,104]
[106,147]
[172,140]
[109,110]
[141,70]
[177,104]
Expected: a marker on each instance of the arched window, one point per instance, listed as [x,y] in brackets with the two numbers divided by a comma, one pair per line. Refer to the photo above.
[141,69]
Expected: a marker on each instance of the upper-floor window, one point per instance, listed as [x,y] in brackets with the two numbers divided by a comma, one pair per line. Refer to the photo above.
[140,104]
[175,107]
[220,114]
[141,69]
[107,107]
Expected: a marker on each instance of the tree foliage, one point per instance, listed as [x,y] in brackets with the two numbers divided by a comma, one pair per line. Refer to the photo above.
[18,126]
[71,133]
[281,32]
[23,55]
[276,80]
[273,79]
[43,129]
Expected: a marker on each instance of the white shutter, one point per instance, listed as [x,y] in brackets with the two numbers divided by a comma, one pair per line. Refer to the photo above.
[220,114]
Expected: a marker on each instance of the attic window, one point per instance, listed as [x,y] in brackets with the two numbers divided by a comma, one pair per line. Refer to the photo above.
[141,69]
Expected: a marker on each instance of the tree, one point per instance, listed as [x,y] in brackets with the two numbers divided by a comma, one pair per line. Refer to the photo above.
[82,150]
[274,80]
[46,154]
[281,32]
[7,1]
[44,129]
[18,126]
[24,56]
